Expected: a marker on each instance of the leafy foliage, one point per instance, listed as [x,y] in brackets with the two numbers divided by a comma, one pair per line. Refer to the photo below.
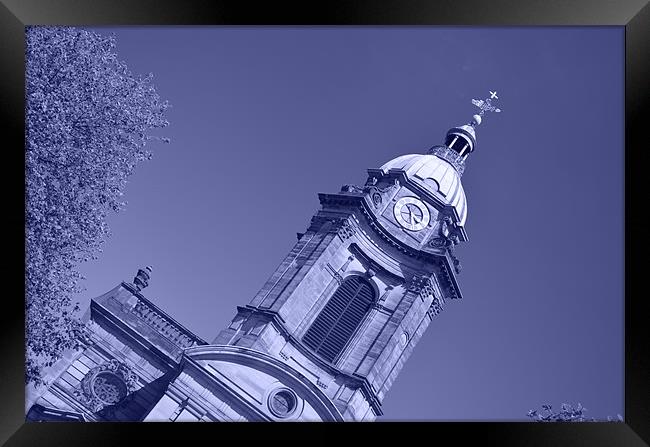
[87,123]
[568,413]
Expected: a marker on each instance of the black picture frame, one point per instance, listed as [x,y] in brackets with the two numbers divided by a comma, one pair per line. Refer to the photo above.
[634,15]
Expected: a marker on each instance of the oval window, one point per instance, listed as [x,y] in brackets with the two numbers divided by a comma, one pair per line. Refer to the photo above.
[283,402]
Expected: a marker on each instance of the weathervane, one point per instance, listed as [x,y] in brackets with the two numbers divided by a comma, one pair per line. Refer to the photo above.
[486,106]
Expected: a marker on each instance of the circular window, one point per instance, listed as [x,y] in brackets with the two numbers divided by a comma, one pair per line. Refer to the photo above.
[283,402]
[109,388]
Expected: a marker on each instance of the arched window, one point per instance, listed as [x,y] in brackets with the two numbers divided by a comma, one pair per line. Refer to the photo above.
[339,319]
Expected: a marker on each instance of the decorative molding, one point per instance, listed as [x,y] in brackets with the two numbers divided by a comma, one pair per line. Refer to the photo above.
[379,304]
[381,308]
[438,242]
[370,264]
[389,188]
[344,229]
[344,200]
[382,298]
[374,194]
[332,271]
[163,325]
[446,238]
[376,199]
[372,181]
[452,254]
[450,156]
[387,237]
[448,277]
[366,205]
[363,206]
[423,286]
[87,391]
[436,307]
[345,266]
[352,188]
[335,274]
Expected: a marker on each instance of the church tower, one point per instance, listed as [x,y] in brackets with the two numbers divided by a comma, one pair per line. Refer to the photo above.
[330,330]
[325,337]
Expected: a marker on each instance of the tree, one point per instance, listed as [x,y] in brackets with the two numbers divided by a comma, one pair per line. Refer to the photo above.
[567,414]
[87,123]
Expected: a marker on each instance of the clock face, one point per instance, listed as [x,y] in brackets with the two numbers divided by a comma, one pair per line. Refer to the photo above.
[411,213]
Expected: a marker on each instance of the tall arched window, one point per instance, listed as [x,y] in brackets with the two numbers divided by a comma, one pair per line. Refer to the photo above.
[343,313]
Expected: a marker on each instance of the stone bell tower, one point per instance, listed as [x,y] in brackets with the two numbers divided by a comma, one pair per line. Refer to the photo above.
[325,337]
[330,330]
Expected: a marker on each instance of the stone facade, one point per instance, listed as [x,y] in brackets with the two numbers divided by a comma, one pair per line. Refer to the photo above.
[137,364]
[128,340]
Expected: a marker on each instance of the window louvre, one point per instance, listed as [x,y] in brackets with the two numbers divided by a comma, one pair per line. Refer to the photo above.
[339,319]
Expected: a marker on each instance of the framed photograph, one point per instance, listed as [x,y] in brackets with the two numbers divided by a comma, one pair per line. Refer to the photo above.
[414,214]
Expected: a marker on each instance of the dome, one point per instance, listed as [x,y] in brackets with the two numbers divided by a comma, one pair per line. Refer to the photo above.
[436,176]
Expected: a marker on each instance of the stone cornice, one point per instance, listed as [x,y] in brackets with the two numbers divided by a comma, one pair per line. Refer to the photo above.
[357,201]
[371,264]
[135,337]
[144,304]
[155,331]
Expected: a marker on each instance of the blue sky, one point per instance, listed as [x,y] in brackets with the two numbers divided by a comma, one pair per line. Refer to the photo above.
[263,119]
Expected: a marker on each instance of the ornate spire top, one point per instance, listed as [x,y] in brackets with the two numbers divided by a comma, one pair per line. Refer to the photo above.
[141,280]
[486,106]
[461,141]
